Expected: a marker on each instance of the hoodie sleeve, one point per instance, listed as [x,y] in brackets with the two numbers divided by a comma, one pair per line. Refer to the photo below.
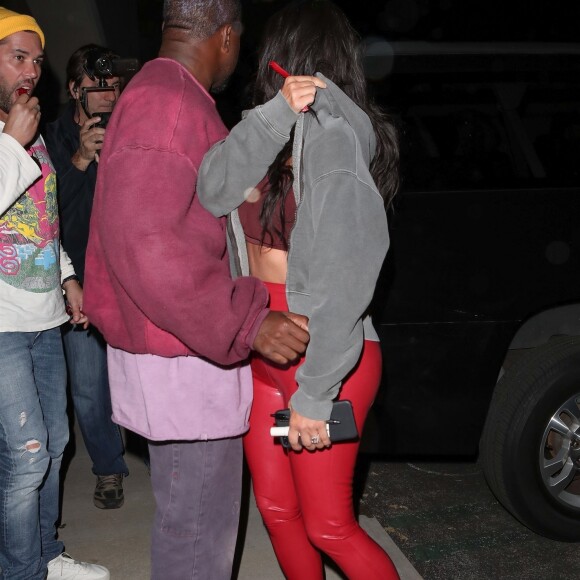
[233,166]
[350,243]
[66,267]
[169,256]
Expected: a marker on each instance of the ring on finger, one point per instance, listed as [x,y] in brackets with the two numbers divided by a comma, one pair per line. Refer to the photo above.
[315,440]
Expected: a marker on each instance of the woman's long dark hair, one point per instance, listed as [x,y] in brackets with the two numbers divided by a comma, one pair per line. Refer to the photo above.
[312,36]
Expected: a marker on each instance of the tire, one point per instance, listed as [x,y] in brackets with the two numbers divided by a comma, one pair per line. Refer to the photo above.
[530,446]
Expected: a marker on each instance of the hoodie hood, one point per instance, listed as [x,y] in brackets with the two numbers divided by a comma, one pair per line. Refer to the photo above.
[337,103]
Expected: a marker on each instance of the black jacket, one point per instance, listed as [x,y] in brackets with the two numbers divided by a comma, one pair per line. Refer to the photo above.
[75,188]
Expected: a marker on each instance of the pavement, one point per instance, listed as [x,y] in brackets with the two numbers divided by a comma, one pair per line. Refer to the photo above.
[119,539]
[445,519]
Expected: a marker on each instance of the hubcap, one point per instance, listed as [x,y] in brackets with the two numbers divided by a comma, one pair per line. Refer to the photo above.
[560,454]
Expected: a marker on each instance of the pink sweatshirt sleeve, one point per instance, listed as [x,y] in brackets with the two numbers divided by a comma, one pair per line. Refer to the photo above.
[169,254]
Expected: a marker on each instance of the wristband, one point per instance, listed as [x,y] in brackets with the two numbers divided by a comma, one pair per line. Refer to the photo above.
[69,278]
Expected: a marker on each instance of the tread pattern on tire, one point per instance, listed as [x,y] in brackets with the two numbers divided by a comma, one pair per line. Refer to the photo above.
[515,395]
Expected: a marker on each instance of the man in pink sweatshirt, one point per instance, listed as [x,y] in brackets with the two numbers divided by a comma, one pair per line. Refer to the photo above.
[158,287]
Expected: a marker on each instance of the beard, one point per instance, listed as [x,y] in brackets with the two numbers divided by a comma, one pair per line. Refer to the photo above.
[223,83]
[217,89]
[6,95]
[5,98]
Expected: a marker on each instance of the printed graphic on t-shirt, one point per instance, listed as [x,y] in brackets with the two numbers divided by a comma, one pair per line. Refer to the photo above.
[29,244]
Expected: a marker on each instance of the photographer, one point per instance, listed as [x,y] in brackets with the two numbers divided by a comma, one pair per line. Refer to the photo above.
[74,141]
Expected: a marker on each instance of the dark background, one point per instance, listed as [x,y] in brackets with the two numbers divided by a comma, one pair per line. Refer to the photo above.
[432,20]
[424,20]
[132,28]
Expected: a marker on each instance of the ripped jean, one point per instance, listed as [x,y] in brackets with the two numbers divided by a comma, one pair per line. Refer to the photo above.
[33,435]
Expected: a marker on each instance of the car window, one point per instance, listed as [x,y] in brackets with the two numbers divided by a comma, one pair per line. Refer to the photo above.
[551,117]
[467,129]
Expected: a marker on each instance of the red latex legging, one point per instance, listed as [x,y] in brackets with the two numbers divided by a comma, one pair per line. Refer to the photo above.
[306,498]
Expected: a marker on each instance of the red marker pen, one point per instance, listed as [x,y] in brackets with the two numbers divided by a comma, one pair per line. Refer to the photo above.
[277,68]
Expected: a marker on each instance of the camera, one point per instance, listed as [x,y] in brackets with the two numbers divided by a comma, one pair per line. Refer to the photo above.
[107,66]
[100,65]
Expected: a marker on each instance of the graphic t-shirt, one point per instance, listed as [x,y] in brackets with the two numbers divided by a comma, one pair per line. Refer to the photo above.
[30,270]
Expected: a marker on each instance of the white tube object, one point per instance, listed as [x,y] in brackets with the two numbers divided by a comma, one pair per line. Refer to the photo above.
[283,431]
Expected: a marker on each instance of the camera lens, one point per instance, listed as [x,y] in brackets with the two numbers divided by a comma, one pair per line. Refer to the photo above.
[104,66]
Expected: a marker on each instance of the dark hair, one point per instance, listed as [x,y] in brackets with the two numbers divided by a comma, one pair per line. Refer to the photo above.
[75,68]
[315,36]
[200,18]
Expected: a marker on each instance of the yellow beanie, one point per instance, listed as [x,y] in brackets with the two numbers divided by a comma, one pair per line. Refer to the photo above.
[11,22]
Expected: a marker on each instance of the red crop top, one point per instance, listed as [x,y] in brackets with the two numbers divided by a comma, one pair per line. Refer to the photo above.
[249,213]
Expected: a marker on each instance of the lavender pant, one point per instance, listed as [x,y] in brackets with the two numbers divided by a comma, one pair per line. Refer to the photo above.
[197,489]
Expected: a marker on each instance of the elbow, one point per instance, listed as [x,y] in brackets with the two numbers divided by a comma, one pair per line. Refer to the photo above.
[214,209]
[211,205]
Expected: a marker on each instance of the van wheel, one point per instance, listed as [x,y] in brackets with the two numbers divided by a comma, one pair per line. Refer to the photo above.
[530,447]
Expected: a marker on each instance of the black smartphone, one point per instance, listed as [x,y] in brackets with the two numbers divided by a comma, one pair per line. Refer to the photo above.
[104,119]
[341,425]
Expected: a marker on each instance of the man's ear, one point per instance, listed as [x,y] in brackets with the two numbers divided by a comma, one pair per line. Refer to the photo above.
[226,37]
[73,90]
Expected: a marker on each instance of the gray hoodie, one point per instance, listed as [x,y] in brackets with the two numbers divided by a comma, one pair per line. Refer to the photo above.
[340,238]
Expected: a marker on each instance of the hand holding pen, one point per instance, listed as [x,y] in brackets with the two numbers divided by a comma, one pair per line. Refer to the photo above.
[299,91]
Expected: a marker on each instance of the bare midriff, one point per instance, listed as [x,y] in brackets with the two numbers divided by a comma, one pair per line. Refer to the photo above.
[267,264]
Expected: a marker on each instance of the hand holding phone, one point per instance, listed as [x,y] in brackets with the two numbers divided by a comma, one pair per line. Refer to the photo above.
[341,426]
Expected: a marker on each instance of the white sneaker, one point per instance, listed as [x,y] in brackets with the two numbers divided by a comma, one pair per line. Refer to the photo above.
[63,567]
